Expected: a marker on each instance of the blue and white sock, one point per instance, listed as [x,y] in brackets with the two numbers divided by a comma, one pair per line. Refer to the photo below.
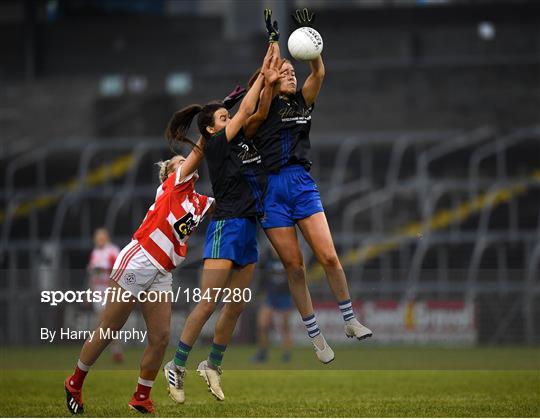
[346,310]
[311,325]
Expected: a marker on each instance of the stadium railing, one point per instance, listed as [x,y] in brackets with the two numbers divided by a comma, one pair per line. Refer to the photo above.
[419,256]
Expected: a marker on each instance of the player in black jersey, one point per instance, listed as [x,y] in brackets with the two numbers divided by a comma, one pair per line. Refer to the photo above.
[292,197]
[238,181]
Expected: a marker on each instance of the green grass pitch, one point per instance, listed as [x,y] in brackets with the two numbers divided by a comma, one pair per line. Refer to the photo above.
[364,380]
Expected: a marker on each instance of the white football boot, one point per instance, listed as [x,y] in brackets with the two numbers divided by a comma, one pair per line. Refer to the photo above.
[355,329]
[323,351]
[213,379]
[175,381]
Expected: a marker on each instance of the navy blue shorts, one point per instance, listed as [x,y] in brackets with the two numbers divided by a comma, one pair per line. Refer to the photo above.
[291,195]
[232,238]
[279,300]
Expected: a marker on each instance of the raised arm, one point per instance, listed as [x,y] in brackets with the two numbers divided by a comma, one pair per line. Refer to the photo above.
[271,75]
[248,104]
[253,123]
[193,160]
[273,38]
[313,83]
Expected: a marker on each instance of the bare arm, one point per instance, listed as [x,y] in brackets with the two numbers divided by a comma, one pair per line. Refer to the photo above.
[280,61]
[312,86]
[248,104]
[253,123]
[313,83]
[246,109]
[193,160]
[271,76]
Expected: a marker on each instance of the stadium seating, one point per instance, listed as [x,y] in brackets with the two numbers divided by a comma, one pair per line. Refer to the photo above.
[429,175]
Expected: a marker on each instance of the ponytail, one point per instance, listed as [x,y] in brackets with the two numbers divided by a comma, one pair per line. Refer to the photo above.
[178,126]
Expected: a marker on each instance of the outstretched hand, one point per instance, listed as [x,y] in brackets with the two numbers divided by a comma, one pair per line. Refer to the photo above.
[271,74]
[303,17]
[268,58]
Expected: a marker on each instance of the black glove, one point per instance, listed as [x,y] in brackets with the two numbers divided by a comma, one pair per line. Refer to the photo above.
[234,97]
[303,17]
[272,29]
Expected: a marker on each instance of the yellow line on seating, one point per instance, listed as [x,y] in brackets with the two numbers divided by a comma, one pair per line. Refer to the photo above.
[112,170]
[440,220]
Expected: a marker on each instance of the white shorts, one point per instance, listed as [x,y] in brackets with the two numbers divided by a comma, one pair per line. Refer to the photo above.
[134,272]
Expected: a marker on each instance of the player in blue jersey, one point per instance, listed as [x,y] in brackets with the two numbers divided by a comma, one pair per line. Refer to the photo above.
[276,309]
[292,198]
[238,182]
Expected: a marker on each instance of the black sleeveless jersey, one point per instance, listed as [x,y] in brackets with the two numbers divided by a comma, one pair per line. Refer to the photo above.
[237,175]
[283,138]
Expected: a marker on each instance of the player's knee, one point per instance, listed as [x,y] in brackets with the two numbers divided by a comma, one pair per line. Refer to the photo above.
[206,308]
[111,324]
[235,309]
[292,261]
[330,260]
[159,339]
[296,272]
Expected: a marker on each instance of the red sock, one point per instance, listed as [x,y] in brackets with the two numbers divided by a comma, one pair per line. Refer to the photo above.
[77,379]
[142,392]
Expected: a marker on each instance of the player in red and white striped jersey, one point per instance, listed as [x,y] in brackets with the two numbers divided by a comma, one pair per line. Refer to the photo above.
[170,220]
[158,246]
[99,269]
[101,261]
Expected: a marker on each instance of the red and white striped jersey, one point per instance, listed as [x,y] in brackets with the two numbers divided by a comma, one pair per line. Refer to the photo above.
[100,265]
[176,212]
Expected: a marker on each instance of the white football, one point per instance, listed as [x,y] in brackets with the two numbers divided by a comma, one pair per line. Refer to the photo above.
[305,44]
